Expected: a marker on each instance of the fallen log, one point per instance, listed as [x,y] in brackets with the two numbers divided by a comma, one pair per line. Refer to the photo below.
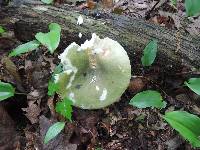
[174,48]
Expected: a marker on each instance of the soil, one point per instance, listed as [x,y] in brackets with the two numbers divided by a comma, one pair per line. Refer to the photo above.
[27,116]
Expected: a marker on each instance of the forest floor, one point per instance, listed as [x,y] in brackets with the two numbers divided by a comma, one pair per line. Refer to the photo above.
[26,117]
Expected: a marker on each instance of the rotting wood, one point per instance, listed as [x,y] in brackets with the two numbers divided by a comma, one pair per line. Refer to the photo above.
[132,33]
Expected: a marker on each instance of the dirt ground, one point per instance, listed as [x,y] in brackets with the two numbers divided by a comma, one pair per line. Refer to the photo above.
[25,118]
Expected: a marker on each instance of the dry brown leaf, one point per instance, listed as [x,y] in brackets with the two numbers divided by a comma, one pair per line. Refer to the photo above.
[32,112]
[90,4]
[50,61]
[107,3]
[13,71]
[51,106]
[136,85]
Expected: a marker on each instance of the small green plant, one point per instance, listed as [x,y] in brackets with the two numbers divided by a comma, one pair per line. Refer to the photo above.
[194,85]
[50,40]
[2,30]
[52,86]
[186,124]
[53,131]
[6,90]
[148,98]
[149,53]
[192,7]
[173,2]
[64,107]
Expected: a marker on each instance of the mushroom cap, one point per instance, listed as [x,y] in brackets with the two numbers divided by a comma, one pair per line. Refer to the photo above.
[95,74]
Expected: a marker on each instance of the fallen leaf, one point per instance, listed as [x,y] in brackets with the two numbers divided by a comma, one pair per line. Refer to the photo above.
[136,85]
[32,112]
[13,71]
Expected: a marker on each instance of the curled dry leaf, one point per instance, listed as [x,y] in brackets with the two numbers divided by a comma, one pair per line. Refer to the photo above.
[136,85]
[11,68]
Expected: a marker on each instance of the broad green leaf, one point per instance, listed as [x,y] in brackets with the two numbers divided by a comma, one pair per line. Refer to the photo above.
[192,7]
[149,53]
[47,1]
[194,85]
[65,108]
[51,39]
[148,98]
[53,131]
[6,90]
[1,30]
[27,47]
[186,124]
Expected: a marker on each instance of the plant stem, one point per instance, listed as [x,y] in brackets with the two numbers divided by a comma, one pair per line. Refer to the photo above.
[20,93]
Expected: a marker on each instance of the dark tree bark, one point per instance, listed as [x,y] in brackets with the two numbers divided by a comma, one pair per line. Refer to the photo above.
[174,48]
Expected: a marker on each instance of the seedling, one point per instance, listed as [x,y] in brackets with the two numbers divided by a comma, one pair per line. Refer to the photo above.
[50,40]
[2,30]
[173,2]
[192,7]
[65,108]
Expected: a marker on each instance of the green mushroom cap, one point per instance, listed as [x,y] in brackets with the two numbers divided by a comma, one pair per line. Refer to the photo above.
[95,74]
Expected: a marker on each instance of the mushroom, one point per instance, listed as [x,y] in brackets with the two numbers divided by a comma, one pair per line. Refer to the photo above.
[95,74]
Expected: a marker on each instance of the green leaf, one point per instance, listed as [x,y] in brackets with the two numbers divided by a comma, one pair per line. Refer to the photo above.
[149,53]
[194,85]
[47,1]
[64,108]
[2,30]
[186,124]
[148,98]
[53,131]
[51,39]
[192,7]
[27,47]
[52,88]
[174,2]
[6,90]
